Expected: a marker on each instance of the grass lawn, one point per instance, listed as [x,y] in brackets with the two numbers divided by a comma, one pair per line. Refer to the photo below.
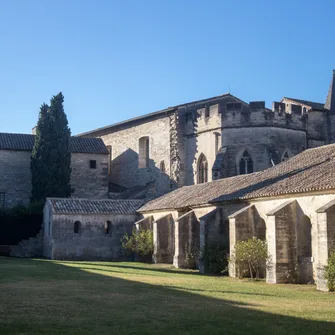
[53,297]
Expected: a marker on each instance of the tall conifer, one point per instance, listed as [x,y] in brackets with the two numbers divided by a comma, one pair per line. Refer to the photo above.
[51,157]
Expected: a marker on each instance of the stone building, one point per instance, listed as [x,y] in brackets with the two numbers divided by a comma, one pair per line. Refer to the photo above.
[83,229]
[89,163]
[210,139]
[291,205]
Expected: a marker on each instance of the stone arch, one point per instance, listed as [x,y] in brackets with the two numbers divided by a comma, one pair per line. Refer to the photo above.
[287,154]
[202,169]
[244,162]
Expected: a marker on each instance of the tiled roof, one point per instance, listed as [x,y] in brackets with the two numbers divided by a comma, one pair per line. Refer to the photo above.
[25,142]
[314,105]
[312,170]
[87,206]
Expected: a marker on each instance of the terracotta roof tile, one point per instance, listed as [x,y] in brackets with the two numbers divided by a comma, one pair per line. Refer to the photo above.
[25,142]
[312,170]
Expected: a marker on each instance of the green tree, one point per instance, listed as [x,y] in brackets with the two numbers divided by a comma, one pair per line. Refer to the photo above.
[60,155]
[330,271]
[251,255]
[51,157]
[140,242]
[40,156]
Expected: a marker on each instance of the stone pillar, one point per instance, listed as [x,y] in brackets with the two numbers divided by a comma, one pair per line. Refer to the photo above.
[271,273]
[202,245]
[163,236]
[179,251]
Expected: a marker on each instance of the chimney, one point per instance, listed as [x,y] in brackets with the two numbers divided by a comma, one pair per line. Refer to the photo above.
[330,101]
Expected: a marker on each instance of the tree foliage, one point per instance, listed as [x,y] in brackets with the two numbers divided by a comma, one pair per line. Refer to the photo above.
[330,272]
[250,255]
[215,256]
[51,157]
[140,242]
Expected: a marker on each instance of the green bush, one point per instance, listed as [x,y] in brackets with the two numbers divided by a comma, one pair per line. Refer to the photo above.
[140,242]
[330,272]
[215,257]
[250,257]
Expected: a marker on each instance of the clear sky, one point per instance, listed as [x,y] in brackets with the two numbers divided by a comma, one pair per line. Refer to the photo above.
[114,60]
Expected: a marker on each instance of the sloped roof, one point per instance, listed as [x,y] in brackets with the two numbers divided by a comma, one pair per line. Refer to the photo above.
[25,142]
[88,206]
[312,170]
[314,105]
[153,115]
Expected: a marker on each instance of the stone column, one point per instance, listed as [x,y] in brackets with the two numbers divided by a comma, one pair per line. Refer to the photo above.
[179,251]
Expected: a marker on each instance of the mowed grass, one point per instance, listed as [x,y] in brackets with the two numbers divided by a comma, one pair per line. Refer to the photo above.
[53,297]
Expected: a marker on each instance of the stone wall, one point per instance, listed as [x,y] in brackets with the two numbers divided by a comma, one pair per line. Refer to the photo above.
[92,242]
[15,177]
[31,247]
[163,236]
[90,183]
[124,142]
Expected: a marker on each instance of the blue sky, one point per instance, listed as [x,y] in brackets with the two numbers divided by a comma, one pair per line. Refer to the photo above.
[115,60]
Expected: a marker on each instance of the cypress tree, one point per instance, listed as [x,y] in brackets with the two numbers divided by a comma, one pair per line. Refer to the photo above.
[39,158]
[60,155]
[51,157]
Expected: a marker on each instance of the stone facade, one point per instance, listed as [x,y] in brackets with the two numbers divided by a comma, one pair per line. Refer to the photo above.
[15,176]
[207,139]
[92,235]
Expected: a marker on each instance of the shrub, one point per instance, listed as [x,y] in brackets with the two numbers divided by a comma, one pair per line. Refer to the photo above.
[215,257]
[250,256]
[330,272]
[140,242]
[191,255]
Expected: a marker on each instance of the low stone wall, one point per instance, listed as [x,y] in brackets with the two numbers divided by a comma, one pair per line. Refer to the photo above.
[31,247]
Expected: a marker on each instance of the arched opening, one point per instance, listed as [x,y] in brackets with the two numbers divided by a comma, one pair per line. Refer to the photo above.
[246,163]
[286,155]
[108,226]
[202,169]
[143,152]
[76,228]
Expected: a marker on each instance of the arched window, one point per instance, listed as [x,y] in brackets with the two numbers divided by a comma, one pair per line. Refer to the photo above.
[286,156]
[202,169]
[108,226]
[143,152]
[246,163]
[76,228]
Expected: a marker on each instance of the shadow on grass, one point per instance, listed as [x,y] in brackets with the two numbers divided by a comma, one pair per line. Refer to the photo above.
[117,265]
[51,298]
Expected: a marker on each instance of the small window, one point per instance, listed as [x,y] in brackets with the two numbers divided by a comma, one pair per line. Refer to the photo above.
[246,163]
[206,111]
[233,106]
[162,166]
[108,226]
[77,226]
[93,164]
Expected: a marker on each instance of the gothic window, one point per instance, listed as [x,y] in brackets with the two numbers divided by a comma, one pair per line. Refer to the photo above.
[76,228]
[202,169]
[246,163]
[143,156]
[286,155]
[108,226]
